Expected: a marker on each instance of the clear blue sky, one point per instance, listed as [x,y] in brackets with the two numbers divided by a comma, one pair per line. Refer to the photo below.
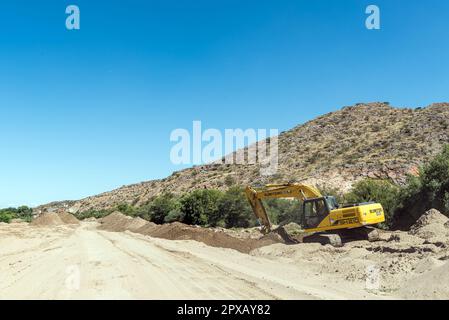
[87,111]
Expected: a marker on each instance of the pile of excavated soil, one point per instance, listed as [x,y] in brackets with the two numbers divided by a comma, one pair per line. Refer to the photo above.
[433,284]
[432,224]
[178,231]
[54,219]
[397,263]
[118,222]
[68,218]
[241,233]
[147,228]
[136,224]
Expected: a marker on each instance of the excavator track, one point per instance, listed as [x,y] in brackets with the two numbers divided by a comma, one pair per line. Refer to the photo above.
[370,234]
[339,237]
[333,239]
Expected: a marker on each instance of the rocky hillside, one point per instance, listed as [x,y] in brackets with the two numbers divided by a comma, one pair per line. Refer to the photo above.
[335,150]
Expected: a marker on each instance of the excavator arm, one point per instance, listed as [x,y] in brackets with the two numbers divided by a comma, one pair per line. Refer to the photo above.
[256,195]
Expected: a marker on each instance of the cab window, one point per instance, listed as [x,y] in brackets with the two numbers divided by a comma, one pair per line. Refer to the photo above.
[315,208]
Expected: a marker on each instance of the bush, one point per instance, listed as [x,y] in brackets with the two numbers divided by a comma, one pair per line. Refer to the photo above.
[429,190]
[25,213]
[229,181]
[234,210]
[97,214]
[6,216]
[164,208]
[174,215]
[434,181]
[126,209]
[200,207]
[382,191]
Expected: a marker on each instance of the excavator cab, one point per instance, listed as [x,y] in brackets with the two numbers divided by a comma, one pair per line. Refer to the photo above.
[315,210]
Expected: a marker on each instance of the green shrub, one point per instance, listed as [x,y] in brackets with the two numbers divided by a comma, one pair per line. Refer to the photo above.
[174,215]
[97,214]
[234,210]
[6,216]
[229,181]
[200,206]
[25,213]
[429,190]
[163,206]
[126,209]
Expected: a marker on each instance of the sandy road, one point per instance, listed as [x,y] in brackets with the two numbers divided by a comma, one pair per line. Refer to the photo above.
[85,263]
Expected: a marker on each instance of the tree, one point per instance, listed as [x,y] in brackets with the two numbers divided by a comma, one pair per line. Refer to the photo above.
[23,212]
[430,189]
[435,181]
[200,206]
[6,216]
[161,207]
[126,209]
[234,209]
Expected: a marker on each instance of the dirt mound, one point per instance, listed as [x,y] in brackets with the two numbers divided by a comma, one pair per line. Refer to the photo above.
[431,285]
[118,222]
[179,231]
[68,218]
[114,222]
[211,237]
[147,228]
[47,219]
[430,225]
[135,224]
[55,219]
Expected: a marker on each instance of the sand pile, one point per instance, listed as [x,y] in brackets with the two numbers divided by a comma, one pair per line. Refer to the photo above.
[213,237]
[68,218]
[431,285]
[54,219]
[431,224]
[147,228]
[179,231]
[114,222]
[118,222]
[136,224]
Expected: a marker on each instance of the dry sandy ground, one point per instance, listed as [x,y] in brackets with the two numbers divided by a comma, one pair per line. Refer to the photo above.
[46,263]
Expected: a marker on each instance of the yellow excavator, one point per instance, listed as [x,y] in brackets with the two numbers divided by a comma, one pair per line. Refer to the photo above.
[322,217]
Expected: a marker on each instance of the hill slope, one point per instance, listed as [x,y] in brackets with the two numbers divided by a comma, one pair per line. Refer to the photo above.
[335,150]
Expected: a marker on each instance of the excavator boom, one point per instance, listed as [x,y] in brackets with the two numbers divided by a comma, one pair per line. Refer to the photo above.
[271,191]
